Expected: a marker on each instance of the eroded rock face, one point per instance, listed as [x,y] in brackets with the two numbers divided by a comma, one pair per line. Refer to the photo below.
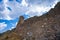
[45,27]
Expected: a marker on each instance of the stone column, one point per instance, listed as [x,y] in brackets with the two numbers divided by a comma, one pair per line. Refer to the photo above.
[20,22]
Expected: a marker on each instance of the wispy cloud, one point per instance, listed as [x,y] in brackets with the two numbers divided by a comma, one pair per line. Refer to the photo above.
[10,10]
[13,26]
[27,7]
[2,26]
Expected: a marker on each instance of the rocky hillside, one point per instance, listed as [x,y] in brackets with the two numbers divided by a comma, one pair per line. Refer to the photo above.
[45,27]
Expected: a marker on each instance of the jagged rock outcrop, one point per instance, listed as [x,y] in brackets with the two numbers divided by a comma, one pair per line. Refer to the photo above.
[45,27]
[20,22]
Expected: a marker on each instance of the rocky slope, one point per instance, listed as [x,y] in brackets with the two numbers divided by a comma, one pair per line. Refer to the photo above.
[45,27]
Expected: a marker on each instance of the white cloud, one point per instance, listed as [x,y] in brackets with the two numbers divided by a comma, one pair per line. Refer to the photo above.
[13,26]
[3,25]
[35,10]
[41,2]
[28,7]
[24,3]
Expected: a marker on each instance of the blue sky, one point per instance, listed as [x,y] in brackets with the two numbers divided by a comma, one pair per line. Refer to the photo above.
[10,10]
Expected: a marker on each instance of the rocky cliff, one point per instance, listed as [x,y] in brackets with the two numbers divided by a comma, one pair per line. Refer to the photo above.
[45,27]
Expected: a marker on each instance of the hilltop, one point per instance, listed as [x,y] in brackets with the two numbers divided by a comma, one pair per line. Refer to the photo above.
[45,27]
